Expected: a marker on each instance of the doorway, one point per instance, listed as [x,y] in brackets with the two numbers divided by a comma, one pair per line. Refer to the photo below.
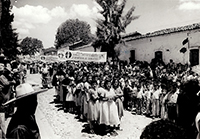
[194,57]
[159,55]
[132,56]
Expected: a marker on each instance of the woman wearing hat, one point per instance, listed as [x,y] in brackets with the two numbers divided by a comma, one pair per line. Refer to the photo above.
[7,84]
[23,124]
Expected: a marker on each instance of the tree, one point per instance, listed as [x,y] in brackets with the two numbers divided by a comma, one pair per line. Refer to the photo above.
[8,36]
[72,31]
[109,28]
[30,46]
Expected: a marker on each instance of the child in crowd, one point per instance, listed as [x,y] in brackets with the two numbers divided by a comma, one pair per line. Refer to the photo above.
[155,101]
[139,99]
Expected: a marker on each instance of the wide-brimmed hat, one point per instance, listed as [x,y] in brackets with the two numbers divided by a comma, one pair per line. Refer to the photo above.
[71,78]
[24,90]
[2,58]
[2,62]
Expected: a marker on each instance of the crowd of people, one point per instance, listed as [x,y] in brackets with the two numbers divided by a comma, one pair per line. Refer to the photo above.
[12,74]
[98,93]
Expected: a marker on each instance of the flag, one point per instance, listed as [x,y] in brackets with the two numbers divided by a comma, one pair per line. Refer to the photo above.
[183,50]
[185,41]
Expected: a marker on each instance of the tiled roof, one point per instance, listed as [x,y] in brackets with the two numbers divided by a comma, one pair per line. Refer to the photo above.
[49,49]
[166,31]
[71,44]
[133,34]
[83,46]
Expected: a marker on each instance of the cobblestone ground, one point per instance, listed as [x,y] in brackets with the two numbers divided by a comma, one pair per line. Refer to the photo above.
[55,124]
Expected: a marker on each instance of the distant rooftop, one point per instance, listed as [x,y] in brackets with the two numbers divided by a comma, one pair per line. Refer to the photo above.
[133,34]
[49,49]
[81,46]
[164,31]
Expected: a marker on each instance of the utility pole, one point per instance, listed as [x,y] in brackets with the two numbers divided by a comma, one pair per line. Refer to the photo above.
[188,35]
[0,15]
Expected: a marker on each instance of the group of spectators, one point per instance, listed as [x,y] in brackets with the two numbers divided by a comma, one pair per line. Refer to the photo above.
[12,73]
[99,92]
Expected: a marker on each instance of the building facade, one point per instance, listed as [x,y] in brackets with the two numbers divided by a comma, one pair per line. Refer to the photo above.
[165,44]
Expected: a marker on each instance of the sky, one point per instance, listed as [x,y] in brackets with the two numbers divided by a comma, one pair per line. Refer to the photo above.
[41,18]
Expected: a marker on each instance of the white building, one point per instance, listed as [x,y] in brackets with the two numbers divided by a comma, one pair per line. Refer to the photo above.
[165,44]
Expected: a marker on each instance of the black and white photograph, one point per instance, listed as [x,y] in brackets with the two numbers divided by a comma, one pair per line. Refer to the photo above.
[99,69]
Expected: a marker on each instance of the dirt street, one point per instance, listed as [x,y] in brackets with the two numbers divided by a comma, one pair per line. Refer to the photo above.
[55,124]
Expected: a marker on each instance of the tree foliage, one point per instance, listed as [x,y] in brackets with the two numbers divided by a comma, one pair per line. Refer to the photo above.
[72,31]
[30,46]
[8,36]
[109,28]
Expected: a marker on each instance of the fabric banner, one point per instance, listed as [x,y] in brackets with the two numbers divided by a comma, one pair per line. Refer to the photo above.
[185,41]
[53,58]
[82,56]
[27,58]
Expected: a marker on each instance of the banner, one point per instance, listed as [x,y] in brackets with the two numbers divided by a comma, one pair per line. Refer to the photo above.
[27,58]
[82,56]
[49,58]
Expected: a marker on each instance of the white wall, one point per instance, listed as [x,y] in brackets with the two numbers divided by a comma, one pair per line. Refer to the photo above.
[169,44]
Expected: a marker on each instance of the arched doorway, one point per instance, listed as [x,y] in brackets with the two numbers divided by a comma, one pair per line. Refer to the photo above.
[159,55]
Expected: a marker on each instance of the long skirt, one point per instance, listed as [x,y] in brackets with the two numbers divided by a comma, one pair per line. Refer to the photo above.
[120,108]
[80,94]
[77,97]
[163,113]
[109,113]
[56,90]
[155,107]
[85,104]
[69,96]
[171,111]
[60,92]
[148,106]
[93,110]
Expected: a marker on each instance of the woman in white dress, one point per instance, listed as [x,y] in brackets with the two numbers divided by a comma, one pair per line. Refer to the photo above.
[85,96]
[78,93]
[70,95]
[119,99]
[108,108]
[93,106]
